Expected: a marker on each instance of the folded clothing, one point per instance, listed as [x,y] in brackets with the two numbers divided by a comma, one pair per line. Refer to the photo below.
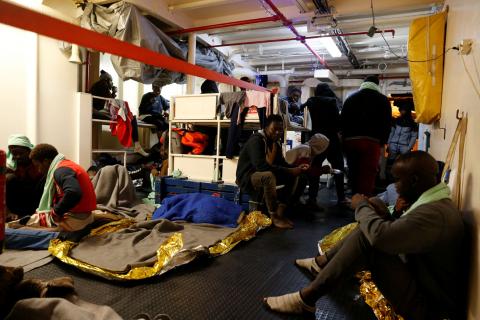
[199,208]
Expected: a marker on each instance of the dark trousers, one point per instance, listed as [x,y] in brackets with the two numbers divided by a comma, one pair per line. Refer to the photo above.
[158,121]
[23,195]
[391,275]
[334,156]
[265,186]
[362,160]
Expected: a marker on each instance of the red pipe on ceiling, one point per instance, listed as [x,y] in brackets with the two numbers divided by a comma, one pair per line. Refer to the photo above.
[288,23]
[225,25]
[306,38]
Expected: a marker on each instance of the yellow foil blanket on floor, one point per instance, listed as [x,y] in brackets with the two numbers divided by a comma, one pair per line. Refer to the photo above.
[369,291]
[247,229]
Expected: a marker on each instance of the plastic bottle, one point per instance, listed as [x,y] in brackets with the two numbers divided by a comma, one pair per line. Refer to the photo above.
[2,199]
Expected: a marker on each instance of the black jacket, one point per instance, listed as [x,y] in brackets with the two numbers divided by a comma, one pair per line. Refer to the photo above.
[367,113]
[324,115]
[253,159]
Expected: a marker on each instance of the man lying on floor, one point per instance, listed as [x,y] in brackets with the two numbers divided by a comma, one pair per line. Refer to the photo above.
[68,198]
[262,167]
[414,260]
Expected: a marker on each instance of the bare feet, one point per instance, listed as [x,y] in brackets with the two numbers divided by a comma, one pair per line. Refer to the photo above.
[281,222]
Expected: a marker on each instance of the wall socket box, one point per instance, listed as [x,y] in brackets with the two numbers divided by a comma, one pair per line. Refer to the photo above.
[465,47]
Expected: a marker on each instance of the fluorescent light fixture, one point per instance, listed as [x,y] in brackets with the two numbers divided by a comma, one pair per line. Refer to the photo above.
[331,47]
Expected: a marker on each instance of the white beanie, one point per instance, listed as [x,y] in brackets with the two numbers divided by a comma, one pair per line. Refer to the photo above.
[318,143]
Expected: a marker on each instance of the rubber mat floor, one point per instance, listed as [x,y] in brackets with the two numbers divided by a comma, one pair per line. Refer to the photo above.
[231,286]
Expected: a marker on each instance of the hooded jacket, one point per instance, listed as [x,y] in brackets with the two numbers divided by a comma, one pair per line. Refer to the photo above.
[366,113]
[324,112]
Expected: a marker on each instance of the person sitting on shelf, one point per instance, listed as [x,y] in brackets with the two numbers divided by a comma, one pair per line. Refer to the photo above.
[104,88]
[309,153]
[24,184]
[154,109]
[294,111]
[68,198]
[415,260]
[262,168]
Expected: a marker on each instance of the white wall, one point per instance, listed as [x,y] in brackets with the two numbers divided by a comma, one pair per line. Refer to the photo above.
[18,61]
[37,87]
[458,93]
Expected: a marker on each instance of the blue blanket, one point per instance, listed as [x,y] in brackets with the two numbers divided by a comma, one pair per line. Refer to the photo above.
[199,208]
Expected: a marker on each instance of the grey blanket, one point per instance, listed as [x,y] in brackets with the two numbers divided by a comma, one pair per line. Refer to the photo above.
[60,309]
[27,259]
[137,245]
[116,193]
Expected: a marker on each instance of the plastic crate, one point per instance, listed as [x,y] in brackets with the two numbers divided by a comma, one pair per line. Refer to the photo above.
[168,186]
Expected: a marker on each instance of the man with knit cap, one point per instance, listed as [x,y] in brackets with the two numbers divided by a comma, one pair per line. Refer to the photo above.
[24,184]
[366,120]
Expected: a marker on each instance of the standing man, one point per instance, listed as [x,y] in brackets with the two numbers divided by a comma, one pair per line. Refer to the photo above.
[326,120]
[366,121]
[24,184]
[68,198]
[262,167]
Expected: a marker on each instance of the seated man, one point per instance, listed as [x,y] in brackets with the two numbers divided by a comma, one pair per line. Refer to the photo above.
[68,198]
[414,260]
[308,153]
[24,184]
[154,109]
[261,168]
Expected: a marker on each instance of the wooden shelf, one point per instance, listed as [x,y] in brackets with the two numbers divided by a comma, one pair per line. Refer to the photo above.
[139,123]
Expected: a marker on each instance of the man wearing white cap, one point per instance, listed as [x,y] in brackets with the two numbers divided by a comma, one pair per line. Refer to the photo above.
[25,183]
[308,153]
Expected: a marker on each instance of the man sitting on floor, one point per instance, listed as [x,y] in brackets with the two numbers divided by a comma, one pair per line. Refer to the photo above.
[262,167]
[24,184]
[414,259]
[68,198]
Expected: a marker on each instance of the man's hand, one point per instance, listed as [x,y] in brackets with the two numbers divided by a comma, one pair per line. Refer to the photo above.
[304,167]
[55,217]
[380,207]
[357,199]
[401,205]
[299,170]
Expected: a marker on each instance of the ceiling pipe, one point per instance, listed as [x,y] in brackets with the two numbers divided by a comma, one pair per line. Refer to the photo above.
[225,25]
[288,23]
[392,31]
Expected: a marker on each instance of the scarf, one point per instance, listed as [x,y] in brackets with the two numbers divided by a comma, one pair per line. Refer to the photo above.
[46,201]
[370,85]
[436,193]
[16,140]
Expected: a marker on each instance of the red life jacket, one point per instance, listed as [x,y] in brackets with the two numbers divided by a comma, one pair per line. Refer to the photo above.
[88,202]
[196,140]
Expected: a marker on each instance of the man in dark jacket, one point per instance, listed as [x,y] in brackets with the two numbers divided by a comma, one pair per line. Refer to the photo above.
[326,120]
[262,167]
[366,121]
[415,259]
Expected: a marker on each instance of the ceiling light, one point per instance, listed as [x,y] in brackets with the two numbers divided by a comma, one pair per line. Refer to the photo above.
[331,47]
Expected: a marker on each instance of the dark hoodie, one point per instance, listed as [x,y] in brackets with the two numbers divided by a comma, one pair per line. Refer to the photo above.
[209,86]
[324,112]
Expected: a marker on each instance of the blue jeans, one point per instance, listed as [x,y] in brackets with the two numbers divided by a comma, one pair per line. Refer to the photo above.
[28,239]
